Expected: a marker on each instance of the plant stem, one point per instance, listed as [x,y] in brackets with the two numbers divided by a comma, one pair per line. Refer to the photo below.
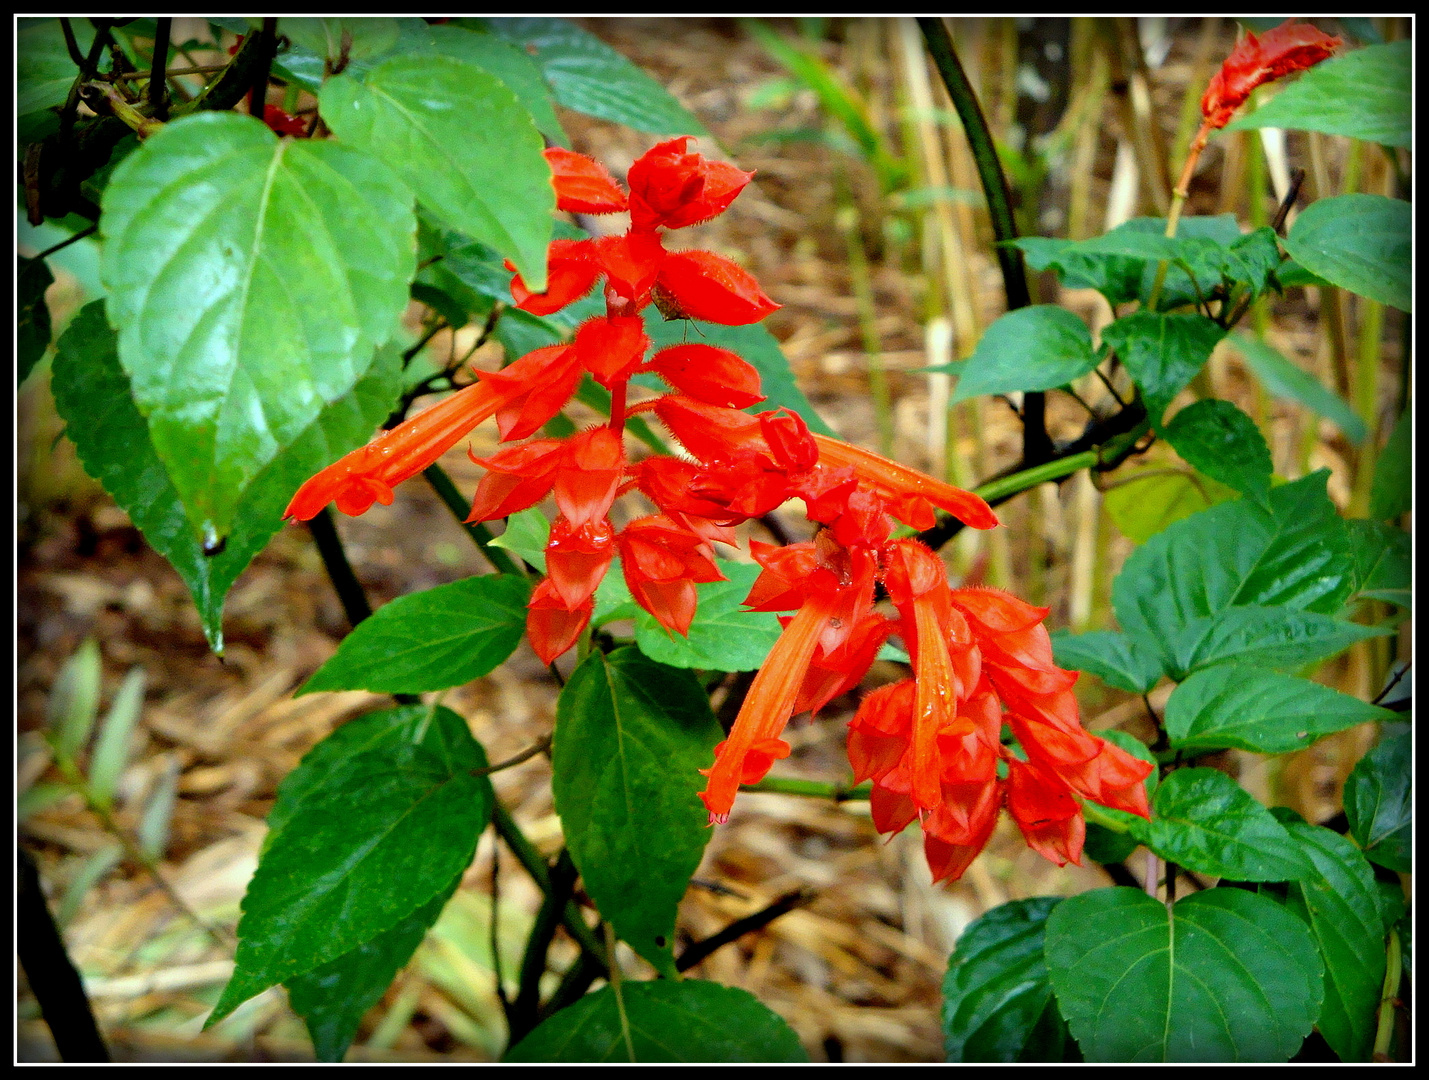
[158,103]
[1394,968]
[814,789]
[268,46]
[697,951]
[52,975]
[90,231]
[339,570]
[533,961]
[480,535]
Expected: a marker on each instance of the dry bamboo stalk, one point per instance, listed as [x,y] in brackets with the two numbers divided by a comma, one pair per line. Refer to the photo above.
[1087,505]
[1133,92]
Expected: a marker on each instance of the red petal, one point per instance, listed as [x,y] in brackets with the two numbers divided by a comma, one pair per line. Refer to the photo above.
[583,186]
[589,475]
[551,628]
[570,273]
[577,559]
[711,288]
[709,374]
[710,432]
[611,348]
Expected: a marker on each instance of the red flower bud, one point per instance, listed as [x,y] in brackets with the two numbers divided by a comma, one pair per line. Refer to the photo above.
[1291,46]
[709,374]
[709,287]
[611,348]
[570,273]
[583,186]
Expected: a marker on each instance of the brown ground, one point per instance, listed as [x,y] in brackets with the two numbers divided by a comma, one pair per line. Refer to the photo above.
[857,971]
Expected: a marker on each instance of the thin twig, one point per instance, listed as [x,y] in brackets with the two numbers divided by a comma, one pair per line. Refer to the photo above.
[268,47]
[1292,193]
[696,951]
[158,103]
[525,755]
[70,43]
[90,231]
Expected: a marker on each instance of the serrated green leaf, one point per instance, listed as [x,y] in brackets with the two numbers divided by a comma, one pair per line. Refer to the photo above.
[589,76]
[333,998]
[756,345]
[74,699]
[1114,658]
[431,640]
[527,533]
[996,991]
[1105,845]
[44,70]
[1203,820]
[1253,260]
[1162,353]
[1358,242]
[463,143]
[250,278]
[364,842]
[1032,348]
[1364,93]
[511,64]
[1292,383]
[1226,976]
[1116,277]
[631,737]
[1392,492]
[1141,506]
[332,38]
[1270,637]
[1234,706]
[92,394]
[111,748]
[1383,558]
[32,315]
[1340,903]
[687,1021]
[1378,804]
[1221,441]
[724,636]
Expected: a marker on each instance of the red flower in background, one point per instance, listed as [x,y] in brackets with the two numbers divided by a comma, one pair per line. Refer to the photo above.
[1254,61]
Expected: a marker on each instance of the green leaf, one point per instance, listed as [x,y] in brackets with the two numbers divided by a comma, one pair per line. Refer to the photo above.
[1253,260]
[1378,804]
[1382,555]
[332,999]
[724,636]
[431,640]
[44,71]
[331,38]
[1105,845]
[511,64]
[612,599]
[364,842]
[1226,976]
[1262,636]
[1162,353]
[1203,820]
[1116,277]
[1032,348]
[463,143]
[1341,904]
[756,345]
[111,748]
[91,872]
[996,992]
[32,315]
[687,1021]
[1222,442]
[1364,94]
[1359,242]
[1392,491]
[74,699]
[155,825]
[1292,383]
[1295,554]
[527,534]
[589,76]
[1142,506]
[92,394]
[631,737]
[250,278]
[1234,706]
[1114,658]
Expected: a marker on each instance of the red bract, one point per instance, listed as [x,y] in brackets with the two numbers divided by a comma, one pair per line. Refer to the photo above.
[577,558]
[550,626]
[709,374]
[583,186]
[709,287]
[662,563]
[671,188]
[1289,47]
[571,272]
[611,348]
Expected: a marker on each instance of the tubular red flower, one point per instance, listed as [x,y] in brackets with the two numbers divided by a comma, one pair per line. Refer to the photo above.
[709,374]
[955,834]
[551,627]
[370,472]
[896,481]
[709,287]
[1254,61]
[535,388]
[1044,809]
[583,186]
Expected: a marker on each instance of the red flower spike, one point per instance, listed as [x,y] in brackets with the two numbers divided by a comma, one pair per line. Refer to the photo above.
[589,475]
[550,626]
[370,472]
[894,481]
[1044,809]
[516,479]
[571,272]
[709,287]
[537,386]
[630,263]
[583,186]
[709,374]
[577,558]
[1291,46]
[611,348]
[672,188]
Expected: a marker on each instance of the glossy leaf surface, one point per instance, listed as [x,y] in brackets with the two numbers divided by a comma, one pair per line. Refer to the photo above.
[1378,804]
[1032,348]
[1359,242]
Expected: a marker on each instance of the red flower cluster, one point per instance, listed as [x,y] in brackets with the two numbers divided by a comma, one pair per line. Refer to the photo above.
[932,744]
[1289,47]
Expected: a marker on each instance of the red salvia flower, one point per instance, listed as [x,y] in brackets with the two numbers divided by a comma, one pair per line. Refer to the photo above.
[663,562]
[1254,61]
[583,186]
[709,287]
[551,627]
[708,373]
[671,188]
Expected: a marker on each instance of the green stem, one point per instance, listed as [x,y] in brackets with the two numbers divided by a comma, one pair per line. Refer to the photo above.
[814,789]
[533,961]
[480,535]
[339,570]
[1384,1032]
[848,223]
